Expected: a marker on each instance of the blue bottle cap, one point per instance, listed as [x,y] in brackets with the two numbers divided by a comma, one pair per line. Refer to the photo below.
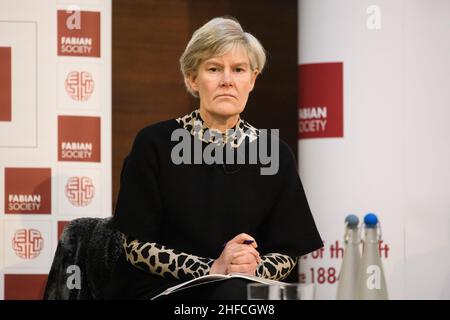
[352,221]
[370,220]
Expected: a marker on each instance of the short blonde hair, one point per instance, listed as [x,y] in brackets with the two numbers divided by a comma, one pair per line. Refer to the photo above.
[216,38]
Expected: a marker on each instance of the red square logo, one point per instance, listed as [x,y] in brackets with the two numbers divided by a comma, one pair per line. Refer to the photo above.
[28,190]
[320,100]
[25,286]
[78,138]
[5,84]
[78,33]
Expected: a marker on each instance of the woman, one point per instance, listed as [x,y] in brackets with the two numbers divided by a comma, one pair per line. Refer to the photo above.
[182,221]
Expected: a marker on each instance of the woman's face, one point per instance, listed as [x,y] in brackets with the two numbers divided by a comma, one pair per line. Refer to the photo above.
[224,83]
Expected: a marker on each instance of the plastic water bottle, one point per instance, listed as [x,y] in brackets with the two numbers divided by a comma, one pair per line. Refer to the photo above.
[371,282]
[347,287]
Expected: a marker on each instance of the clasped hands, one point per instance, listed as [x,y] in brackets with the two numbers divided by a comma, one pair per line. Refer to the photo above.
[238,255]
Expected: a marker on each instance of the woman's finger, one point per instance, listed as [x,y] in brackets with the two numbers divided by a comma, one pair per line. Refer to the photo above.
[244,238]
[242,268]
[244,259]
[244,249]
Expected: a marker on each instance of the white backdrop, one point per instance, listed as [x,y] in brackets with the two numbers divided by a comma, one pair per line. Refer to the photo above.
[47,85]
[394,156]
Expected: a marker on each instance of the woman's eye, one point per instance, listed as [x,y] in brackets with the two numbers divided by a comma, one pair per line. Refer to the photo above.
[212,69]
[239,70]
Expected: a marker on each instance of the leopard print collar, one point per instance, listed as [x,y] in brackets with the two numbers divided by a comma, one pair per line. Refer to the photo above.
[234,136]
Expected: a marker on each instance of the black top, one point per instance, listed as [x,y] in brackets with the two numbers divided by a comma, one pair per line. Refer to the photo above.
[196,208]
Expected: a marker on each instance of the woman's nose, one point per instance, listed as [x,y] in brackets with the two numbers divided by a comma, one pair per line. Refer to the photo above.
[226,80]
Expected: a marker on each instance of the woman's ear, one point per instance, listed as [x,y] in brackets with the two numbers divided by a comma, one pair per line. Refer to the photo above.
[254,75]
[191,79]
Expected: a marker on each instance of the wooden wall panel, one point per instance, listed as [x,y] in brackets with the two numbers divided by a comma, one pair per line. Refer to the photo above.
[148,38]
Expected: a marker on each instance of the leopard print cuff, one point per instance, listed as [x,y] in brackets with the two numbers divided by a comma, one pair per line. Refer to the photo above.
[168,263]
[275,266]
